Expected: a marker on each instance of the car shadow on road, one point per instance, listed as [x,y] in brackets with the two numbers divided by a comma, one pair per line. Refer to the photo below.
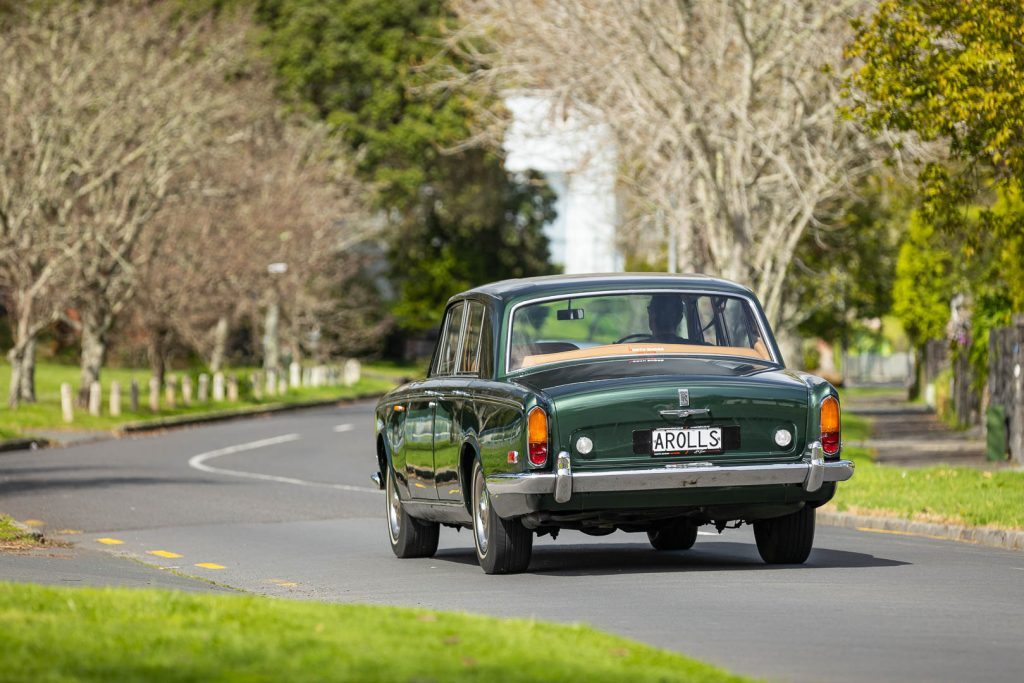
[637,558]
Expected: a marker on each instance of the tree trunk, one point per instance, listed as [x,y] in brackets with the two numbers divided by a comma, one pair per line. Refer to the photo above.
[28,372]
[94,352]
[22,358]
[220,343]
[157,353]
[271,336]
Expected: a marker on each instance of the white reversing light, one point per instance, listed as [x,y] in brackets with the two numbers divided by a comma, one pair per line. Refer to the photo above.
[783,438]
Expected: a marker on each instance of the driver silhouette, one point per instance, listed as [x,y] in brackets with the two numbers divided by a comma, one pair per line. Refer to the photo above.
[664,313]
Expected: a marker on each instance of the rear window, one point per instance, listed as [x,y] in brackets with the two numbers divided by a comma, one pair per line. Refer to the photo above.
[634,324]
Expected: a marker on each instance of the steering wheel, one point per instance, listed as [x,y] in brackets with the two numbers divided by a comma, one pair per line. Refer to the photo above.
[638,337]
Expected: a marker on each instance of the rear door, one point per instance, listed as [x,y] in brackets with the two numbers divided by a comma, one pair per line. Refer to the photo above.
[423,421]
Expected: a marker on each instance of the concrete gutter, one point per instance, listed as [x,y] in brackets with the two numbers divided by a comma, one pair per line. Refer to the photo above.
[225,415]
[987,536]
[22,444]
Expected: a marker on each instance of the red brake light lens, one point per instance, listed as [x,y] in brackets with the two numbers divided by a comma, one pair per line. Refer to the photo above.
[830,425]
[537,436]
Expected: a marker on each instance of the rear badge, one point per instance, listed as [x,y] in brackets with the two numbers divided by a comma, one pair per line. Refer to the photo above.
[684,397]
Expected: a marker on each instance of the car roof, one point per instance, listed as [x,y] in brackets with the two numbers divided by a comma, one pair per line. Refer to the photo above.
[531,287]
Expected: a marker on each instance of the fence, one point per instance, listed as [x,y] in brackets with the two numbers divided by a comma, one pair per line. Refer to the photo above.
[1005,416]
[875,368]
[225,388]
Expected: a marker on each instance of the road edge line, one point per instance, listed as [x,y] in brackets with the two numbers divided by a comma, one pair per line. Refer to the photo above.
[986,536]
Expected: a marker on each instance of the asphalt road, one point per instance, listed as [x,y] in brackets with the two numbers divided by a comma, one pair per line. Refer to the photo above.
[283,506]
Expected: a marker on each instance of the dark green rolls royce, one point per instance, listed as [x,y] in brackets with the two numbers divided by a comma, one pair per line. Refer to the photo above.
[632,402]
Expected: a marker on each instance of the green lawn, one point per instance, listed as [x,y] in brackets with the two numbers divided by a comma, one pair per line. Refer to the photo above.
[46,413]
[955,495]
[85,634]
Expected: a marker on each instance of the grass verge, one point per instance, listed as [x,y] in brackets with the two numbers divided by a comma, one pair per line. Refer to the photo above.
[940,494]
[14,537]
[88,634]
[46,415]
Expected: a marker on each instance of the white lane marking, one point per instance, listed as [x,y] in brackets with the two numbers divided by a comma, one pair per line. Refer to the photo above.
[198,462]
[343,428]
[707,533]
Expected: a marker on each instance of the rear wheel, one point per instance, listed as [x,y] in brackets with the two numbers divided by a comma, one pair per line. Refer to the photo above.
[503,546]
[678,534]
[410,537]
[788,539]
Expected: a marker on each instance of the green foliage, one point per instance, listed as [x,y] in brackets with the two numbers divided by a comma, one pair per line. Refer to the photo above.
[365,67]
[844,271]
[952,70]
[924,283]
[90,634]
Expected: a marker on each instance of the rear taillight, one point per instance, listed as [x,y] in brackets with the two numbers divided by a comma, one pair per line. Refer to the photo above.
[537,436]
[830,425]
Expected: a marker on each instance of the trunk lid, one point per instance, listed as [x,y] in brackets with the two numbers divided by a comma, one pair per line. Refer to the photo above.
[618,415]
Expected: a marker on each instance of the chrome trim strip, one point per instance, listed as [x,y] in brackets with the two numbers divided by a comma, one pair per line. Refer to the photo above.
[563,478]
[749,298]
[509,492]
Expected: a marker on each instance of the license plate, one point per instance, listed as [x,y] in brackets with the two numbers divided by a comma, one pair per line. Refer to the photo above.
[686,441]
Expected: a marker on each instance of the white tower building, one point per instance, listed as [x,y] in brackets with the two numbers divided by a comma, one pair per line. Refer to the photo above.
[577,159]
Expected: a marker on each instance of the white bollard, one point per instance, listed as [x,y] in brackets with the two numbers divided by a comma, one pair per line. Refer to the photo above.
[170,391]
[233,388]
[204,388]
[218,386]
[154,394]
[282,386]
[307,377]
[352,372]
[186,390]
[256,381]
[115,399]
[67,405]
[95,397]
[271,382]
[295,375]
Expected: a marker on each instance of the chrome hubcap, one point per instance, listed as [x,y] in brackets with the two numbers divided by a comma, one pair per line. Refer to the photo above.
[394,509]
[483,504]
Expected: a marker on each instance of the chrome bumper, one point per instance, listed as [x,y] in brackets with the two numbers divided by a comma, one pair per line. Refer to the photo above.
[509,492]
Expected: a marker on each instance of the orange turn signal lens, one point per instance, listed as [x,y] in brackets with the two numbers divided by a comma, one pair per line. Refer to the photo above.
[537,436]
[830,425]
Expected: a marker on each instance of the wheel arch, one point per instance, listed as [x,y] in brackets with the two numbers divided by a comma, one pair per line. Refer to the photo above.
[469,454]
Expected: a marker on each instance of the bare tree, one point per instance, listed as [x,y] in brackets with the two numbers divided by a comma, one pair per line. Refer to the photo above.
[273,191]
[120,98]
[724,113]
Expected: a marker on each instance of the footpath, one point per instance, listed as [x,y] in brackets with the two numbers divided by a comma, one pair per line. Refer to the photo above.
[911,435]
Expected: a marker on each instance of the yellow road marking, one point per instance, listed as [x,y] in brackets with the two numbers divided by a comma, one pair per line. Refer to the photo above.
[210,565]
[283,583]
[894,532]
[34,522]
[69,532]
[162,553]
[109,541]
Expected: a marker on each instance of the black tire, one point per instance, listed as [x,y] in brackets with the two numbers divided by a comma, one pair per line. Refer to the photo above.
[503,546]
[679,534]
[410,537]
[786,540]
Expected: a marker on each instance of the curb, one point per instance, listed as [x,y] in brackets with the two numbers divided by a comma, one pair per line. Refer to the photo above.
[22,444]
[225,416]
[27,530]
[986,536]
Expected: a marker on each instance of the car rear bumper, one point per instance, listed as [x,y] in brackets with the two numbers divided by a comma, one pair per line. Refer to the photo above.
[517,494]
